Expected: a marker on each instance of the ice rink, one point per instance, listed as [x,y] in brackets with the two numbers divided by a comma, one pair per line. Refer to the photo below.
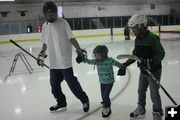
[25,96]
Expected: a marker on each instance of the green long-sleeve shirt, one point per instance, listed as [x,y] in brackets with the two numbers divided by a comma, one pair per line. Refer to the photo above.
[149,47]
[105,69]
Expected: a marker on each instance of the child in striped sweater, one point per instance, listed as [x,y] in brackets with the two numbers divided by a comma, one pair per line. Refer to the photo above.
[106,75]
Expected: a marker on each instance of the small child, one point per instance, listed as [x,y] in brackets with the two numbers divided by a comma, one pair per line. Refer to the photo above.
[106,75]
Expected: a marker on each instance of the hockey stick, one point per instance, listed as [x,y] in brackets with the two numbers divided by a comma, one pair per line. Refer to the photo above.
[26,52]
[127,56]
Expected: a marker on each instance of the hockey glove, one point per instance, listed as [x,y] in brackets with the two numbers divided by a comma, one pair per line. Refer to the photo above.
[144,65]
[81,55]
[122,71]
[41,57]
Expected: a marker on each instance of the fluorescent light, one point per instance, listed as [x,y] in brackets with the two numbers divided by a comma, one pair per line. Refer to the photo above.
[6,0]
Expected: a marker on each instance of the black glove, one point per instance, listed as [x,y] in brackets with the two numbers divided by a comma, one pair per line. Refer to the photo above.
[122,71]
[79,59]
[144,65]
[129,62]
[41,57]
[81,55]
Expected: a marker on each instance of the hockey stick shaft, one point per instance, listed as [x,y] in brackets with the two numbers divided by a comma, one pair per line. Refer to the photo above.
[172,100]
[157,82]
[26,52]
[149,73]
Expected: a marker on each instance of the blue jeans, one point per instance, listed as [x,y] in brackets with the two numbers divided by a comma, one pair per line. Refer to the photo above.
[105,93]
[57,76]
[145,81]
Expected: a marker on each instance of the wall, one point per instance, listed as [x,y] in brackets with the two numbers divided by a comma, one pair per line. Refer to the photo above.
[83,33]
[83,10]
[30,41]
[176,7]
[99,10]
[34,11]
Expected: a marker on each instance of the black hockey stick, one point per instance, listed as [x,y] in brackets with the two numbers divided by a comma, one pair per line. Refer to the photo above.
[149,73]
[26,52]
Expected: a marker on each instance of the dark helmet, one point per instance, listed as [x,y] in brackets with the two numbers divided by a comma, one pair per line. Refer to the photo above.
[102,49]
[49,7]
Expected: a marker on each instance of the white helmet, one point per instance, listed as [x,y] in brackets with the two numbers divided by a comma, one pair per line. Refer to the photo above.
[138,19]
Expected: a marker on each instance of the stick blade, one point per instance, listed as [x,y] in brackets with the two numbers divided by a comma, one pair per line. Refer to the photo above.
[5,78]
[128,56]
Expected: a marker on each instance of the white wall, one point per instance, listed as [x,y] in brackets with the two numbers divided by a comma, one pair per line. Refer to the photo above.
[33,12]
[83,10]
[114,10]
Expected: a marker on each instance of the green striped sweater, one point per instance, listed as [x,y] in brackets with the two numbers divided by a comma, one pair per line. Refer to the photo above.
[105,69]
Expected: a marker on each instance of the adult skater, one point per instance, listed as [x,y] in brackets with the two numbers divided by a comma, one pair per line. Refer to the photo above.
[58,39]
[127,32]
[149,49]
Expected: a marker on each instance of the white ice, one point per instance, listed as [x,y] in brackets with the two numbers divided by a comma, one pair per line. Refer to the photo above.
[25,96]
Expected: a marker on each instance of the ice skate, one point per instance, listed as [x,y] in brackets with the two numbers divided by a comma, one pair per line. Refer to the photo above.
[58,108]
[108,118]
[138,113]
[157,116]
[86,107]
[106,113]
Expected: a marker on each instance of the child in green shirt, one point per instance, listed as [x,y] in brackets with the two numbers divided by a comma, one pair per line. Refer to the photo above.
[106,75]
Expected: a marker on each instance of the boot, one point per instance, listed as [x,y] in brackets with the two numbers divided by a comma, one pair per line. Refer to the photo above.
[139,112]
[58,107]
[106,112]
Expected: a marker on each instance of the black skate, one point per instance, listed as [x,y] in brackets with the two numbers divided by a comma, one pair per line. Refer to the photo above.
[102,103]
[86,107]
[106,112]
[58,107]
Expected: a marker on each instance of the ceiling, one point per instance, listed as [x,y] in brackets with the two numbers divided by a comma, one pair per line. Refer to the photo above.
[72,1]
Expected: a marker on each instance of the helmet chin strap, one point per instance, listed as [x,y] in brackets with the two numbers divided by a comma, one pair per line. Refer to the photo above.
[142,32]
[102,59]
[51,21]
